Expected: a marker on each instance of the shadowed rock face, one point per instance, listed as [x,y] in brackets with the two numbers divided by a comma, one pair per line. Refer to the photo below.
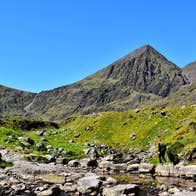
[190,71]
[139,77]
[145,70]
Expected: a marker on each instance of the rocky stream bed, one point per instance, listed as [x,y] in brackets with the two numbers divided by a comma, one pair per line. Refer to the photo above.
[102,176]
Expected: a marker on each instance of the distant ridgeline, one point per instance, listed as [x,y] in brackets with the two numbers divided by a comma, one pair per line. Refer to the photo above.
[138,79]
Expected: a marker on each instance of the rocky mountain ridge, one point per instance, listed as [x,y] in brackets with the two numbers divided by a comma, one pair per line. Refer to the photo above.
[140,77]
[13,101]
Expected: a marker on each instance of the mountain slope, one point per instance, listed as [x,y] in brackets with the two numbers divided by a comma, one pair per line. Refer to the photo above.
[185,96]
[12,101]
[140,77]
[190,71]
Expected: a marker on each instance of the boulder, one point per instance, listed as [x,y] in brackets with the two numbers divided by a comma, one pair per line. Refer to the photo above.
[18,187]
[43,139]
[89,128]
[188,171]
[106,165]
[70,188]
[92,153]
[108,158]
[40,146]
[166,170]
[62,160]
[26,141]
[89,184]
[163,113]
[133,167]
[55,190]
[40,133]
[77,135]
[132,136]
[191,155]
[74,177]
[121,189]
[49,147]
[137,110]
[121,167]
[53,179]
[73,163]
[146,168]
[118,157]
[60,152]
[184,193]
[51,158]
[85,163]
[173,190]
[164,194]
[110,181]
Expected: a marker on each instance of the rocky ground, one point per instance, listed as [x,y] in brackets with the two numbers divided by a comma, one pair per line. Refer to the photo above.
[108,176]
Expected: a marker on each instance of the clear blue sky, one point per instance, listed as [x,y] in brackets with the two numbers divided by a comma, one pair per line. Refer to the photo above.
[49,43]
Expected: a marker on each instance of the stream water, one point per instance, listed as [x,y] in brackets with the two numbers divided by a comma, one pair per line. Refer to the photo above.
[151,186]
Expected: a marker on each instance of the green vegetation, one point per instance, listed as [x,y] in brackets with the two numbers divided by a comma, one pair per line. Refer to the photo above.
[37,158]
[9,138]
[4,164]
[115,128]
[175,125]
[123,179]
[26,124]
[52,178]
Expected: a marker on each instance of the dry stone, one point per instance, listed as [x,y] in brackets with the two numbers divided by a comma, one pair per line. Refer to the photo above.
[89,184]
[146,168]
[121,189]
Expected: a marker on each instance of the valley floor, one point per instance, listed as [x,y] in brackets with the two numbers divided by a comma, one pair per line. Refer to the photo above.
[106,178]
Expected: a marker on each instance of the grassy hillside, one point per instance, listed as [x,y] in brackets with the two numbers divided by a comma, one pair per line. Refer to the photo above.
[114,129]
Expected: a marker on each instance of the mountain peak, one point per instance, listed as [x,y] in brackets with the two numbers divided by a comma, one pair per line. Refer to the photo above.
[142,76]
[145,47]
[145,70]
[143,50]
